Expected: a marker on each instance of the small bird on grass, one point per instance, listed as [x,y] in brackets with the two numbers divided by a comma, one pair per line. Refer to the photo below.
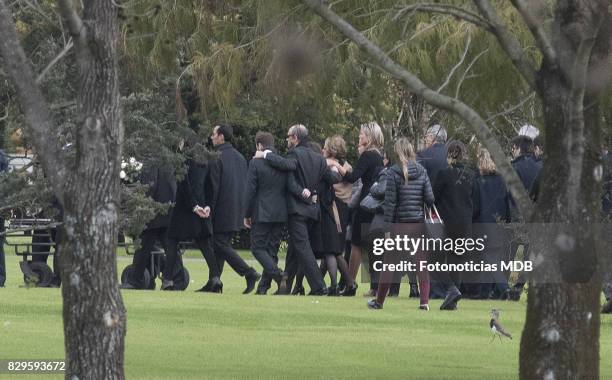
[496,328]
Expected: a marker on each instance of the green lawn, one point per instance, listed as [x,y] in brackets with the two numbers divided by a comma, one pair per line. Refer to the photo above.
[190,335]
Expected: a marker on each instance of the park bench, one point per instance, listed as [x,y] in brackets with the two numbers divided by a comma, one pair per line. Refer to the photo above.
[20,234]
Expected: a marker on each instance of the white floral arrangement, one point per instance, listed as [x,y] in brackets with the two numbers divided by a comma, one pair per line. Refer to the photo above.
[130,170]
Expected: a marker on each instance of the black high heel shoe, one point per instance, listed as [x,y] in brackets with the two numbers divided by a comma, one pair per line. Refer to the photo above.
[298,291]
[217,288]
[350,290]
[333,291]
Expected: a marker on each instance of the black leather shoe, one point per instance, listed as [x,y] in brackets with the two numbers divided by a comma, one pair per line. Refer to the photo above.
[350,290]
[333,291]
[251,280]
[298,291]
[607,307]
[282,284]
[214,285]
[452,297]
[318,292]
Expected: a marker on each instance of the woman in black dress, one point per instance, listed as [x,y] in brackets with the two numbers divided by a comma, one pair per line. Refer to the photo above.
[328,238]
[371,142]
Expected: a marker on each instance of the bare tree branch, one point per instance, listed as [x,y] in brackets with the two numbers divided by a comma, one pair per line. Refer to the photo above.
[447,9]
[55,60]
[37,115]
[6,112]
[515,107]
[461,60]
[416,86]
[467,70]
[508,42]
[537,30]
[578,77]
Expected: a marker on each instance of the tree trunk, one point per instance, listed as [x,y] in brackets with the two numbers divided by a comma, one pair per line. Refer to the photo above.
[94,314]
[560,339]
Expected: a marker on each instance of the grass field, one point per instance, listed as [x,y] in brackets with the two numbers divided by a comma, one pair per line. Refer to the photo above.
[188,335]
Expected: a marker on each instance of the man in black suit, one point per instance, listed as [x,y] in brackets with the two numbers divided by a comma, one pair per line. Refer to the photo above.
[433,157]
[162,189]
[228,209]
[528,170]
[308,169]
[266,214]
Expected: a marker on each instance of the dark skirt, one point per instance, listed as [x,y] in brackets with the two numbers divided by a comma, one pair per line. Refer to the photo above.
[324,235]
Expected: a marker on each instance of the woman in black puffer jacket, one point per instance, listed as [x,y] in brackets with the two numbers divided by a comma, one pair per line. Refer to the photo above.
[407,190]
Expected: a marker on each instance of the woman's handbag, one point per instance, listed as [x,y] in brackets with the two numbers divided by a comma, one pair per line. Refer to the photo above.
[370,204]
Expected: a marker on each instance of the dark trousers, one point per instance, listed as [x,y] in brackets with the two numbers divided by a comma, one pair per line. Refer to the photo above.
[174,262]
[142,256]
[292,266]
[301,252]
[265,242]
[222,243]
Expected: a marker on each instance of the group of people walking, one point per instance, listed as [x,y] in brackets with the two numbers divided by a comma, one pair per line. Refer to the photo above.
[319,200]
[315,195]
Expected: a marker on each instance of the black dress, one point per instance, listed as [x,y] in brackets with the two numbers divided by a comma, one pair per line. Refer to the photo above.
[324,235]
[367,168]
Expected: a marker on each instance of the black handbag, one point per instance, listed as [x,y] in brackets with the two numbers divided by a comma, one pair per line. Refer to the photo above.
[370,204]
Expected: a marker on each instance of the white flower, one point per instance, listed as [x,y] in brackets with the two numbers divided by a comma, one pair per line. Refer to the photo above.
[122,174]
[123,164]
[132,161]
[138,166]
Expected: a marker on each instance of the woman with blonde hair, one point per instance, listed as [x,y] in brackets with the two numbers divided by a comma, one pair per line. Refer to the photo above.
[334,219]
[407,191]
[371,142]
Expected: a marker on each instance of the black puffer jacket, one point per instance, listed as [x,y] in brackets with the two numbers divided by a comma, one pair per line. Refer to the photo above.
[404,202]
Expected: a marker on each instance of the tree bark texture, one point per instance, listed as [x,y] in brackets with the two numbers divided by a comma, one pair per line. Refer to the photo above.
[94,314]
[85,180]
[560,339]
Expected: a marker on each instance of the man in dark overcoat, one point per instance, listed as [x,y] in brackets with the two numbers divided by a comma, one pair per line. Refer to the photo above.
[228,175]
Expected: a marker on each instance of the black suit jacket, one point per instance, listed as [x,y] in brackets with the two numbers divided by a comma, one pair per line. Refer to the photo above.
[266,193]
[228,175]
[162,189]
[433,159]
[194,189]
[308,170]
